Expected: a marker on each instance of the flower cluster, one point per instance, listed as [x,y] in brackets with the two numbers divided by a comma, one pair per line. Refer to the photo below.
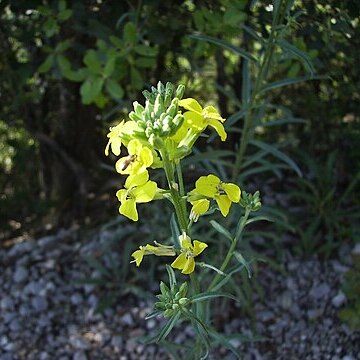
[158,135]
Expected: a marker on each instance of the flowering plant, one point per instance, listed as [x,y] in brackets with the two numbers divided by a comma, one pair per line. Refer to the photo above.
[158,136]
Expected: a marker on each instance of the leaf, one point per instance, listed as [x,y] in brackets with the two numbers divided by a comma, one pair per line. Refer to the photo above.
[252,33]
[175,231]
[146,50]
[145,62]
[220,229]
[62,46]
[153,314]
[283,122]
[172,277]
[305,59]
[225,45]
[242,261]
[211,295]
[246,83]
[109,66]
[90,89]
[47,64]
[290,81]
[205,265]
[235,117]
[277,153]
[65,14]
[92,61]
[221,339]
[164,332]
[114,89]
[64,64]
[130,33]
[259,218]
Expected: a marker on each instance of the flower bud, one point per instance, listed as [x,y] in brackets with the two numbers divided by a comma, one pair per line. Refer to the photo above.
[138,108]
[168,313]
[183,301]
[180,91]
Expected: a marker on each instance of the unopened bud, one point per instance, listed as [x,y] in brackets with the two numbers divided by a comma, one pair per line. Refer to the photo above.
[180,91]
[138,108]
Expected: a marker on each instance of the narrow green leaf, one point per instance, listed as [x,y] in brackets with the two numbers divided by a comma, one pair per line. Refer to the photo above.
[242,261]
[220,229]
[246,83]
[305,59]
[283,122]
[164,332]
[153,314]
[172,277]
[211,295]
[225,45]
[175,231]
[144,50]
[290,81]
[205,265]
[221,339]
[277,153]
[259,218]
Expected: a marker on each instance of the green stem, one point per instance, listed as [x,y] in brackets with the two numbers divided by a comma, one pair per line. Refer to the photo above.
[231,250]
[175,196]
[262,76]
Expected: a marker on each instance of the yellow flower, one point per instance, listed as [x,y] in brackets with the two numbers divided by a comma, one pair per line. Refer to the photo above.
[116,136]
[140,157]
[158,250]
[198,118]
[185,261]
[137,190]
[212,187]
[199,207]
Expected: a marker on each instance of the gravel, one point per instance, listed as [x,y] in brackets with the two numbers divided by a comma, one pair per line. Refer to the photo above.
[45,313]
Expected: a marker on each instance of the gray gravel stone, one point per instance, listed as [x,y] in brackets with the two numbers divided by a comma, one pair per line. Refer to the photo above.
[20,275]
[76,299]
[7,303]
[338,300]
[80,355]
[39,303]
[320,292]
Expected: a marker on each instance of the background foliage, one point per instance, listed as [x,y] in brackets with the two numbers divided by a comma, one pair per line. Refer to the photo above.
[69,70]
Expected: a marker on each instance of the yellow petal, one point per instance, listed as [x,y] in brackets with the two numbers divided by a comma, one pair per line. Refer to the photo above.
[206,185]
[116,146]
[146,156]
[136,180]
[128,209]
[191,104]
[179,262]
[199,247]
[200,206]
[224,204]
[219,128]
[189,266]
[194,120]
[145,193]
[210,112]
[121,194]
[138,255]
[107,148]
[232,191]
[134,147]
